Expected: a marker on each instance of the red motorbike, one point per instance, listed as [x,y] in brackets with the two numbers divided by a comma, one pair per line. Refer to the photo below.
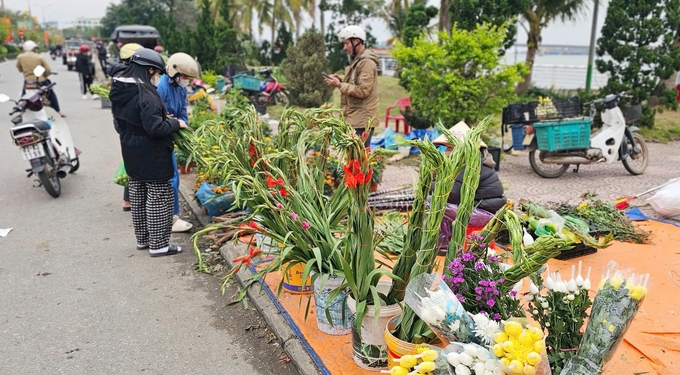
[271,91]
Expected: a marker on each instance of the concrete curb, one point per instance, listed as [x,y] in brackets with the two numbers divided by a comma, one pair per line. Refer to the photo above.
[291,344]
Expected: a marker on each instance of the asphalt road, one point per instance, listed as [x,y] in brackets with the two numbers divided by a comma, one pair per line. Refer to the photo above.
[76,297]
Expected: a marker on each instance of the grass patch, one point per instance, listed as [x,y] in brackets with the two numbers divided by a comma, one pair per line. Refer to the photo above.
[666,128]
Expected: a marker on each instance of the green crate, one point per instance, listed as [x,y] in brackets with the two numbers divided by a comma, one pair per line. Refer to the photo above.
[246,82]
[563,135]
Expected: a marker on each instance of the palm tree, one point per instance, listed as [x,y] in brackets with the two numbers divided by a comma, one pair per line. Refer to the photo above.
[394,15]
[538,15]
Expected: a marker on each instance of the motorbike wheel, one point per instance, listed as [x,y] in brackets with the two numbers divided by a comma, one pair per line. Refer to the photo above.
[545,170]
[48,178]
[281,98]
[636,163]
[75,166]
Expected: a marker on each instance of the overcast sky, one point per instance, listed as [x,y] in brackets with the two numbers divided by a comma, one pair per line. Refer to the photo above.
[66,11]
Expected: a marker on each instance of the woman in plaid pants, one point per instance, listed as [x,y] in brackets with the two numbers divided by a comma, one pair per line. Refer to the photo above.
[145,131]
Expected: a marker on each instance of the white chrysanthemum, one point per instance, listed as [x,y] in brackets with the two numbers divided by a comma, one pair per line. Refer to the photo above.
[487,332]
[454,326]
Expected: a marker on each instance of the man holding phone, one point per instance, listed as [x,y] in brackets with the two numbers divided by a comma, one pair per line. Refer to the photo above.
[359,86]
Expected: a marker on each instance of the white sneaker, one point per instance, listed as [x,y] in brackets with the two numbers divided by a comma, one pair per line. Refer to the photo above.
[179,225]
[95,97]
[85,97]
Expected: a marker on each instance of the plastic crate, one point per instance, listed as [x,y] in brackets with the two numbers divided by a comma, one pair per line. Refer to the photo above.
[563,135]
[578,251]
[531,112]
[246,82]
[520,113]
[517,136]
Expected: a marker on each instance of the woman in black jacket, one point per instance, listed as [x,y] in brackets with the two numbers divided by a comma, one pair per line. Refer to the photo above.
[85,69]
[145,131]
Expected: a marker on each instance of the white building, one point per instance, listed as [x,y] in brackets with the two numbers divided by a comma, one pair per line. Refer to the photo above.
[87,23]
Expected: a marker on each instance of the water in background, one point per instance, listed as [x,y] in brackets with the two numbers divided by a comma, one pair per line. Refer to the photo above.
[561,72]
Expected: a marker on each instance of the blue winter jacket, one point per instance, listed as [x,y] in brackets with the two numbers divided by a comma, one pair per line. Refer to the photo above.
[174,97]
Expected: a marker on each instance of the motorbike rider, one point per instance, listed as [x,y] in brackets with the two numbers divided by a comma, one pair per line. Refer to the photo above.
[116,70]
[359,86]
[85,68]
[26,63]
[146,143]
[172,88]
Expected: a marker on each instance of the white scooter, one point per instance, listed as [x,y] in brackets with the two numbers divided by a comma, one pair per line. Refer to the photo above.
[43,137]
[551,155]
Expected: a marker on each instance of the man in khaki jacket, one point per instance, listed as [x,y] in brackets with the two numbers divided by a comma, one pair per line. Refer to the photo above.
[27,62]
[359,86]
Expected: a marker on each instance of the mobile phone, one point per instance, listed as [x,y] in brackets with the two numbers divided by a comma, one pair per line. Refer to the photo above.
[325,74]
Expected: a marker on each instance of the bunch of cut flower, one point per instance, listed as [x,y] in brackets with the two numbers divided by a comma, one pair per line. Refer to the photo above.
[101,89]
[520,348]
[424,362]
[618,299]
[561,312]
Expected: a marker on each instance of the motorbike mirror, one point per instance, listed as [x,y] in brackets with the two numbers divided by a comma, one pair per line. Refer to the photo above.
[4,98]
[38,71]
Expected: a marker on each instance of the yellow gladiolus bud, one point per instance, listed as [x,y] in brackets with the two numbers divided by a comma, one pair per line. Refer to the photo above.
[539,346]
[529,370]
[616,282]
[498,351]
[601,284]
[516,366]
[524,338]
[429,356]
[638,292]
[505,362]
[425,367]
[513,328]
[500,337]
[533,358]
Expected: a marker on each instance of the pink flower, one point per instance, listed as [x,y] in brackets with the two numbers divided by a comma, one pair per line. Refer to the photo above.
[279,205]
[294,216]
[306,225]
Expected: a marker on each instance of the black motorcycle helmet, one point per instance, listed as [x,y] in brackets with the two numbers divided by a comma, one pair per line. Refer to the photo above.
[148,57]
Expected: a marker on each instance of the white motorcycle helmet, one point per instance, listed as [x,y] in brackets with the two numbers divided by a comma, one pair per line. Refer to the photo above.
[29,45]
[181,63]
[352,31]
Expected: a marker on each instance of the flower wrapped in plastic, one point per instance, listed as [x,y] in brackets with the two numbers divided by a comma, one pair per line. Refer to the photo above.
[520,348]
[433,301]
[470,359]
[427,361]
[618,298]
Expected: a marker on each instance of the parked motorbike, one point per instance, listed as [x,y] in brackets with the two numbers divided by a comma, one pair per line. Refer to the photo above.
[43,137]
[618,139]
[271,91]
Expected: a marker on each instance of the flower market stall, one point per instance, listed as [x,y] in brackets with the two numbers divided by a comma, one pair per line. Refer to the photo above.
[372,293]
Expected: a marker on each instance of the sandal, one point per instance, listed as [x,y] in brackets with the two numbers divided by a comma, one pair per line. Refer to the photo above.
[142,247]
[172,250]
[127,209]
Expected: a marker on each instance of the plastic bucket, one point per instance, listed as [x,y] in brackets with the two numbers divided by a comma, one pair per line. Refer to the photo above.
[369,349]
[292,279]
[335,307]
[395,347]
[404,150]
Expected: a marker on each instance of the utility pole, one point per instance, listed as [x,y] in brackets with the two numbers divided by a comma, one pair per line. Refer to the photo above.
[591,51]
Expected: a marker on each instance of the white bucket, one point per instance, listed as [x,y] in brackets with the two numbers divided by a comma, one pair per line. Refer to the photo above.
[369,349]
[335,307]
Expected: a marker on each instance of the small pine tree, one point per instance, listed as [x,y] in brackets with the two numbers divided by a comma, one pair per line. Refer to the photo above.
[302,68]
[638,38]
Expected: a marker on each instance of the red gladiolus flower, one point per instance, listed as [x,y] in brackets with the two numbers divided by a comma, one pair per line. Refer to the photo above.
[270,182]
[279,181]
[368,176]
[283,192]
[247,258]
[253,225]
[251,150]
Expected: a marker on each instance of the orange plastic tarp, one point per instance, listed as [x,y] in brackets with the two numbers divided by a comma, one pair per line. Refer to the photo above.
[651,345]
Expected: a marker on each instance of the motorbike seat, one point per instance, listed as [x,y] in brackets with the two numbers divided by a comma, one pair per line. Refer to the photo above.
[38,124]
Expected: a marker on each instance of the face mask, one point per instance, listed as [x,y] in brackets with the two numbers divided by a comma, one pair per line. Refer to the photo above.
[183,82]
[156,79]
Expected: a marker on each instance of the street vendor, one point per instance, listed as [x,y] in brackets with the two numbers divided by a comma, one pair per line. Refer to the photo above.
[489,195]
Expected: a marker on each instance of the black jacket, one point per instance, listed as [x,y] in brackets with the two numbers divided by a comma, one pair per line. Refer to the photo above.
[83,64]
[145,131]
[489,194]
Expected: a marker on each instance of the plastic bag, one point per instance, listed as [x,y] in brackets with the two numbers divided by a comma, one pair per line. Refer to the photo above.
[121,177]
[215,204]
[433,301]
[521,349]
[619,296]
[666,201]
[389,137]
[478,218]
